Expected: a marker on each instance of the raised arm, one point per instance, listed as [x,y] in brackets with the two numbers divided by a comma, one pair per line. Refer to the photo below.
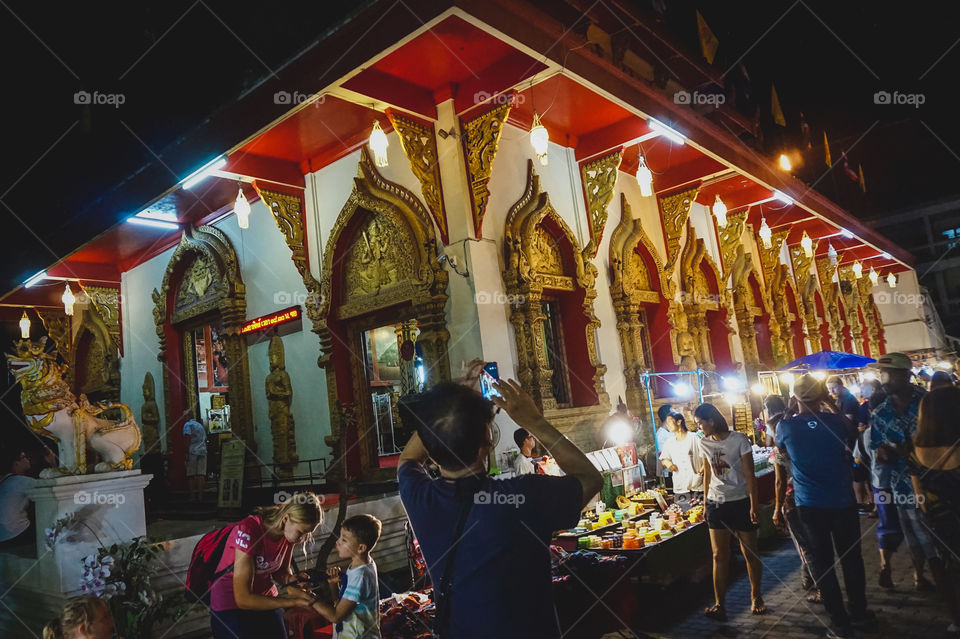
[524,411]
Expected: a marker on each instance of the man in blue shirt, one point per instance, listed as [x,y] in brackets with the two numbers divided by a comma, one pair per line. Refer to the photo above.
[486,543]
[815,442]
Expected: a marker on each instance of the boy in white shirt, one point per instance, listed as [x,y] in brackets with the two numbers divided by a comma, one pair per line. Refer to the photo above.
[356,614]
[525,442]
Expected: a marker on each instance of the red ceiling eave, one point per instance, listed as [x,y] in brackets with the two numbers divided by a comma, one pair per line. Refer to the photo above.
[260,167]
[538,30]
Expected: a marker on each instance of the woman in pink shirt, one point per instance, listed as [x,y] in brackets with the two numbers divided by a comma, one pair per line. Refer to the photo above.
[244,601]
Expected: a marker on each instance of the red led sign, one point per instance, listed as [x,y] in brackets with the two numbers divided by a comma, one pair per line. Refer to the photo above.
[272,320]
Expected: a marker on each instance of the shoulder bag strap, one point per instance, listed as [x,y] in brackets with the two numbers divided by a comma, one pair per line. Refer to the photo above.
[442,594]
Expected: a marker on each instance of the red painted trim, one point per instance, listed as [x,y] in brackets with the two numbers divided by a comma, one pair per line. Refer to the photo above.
[260,167]
[393,90]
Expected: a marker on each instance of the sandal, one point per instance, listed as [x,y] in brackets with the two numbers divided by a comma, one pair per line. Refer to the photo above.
[815,597]
[716,612]
[758,607]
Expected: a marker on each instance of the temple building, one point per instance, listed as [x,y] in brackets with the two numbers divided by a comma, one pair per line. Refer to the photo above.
[475,180]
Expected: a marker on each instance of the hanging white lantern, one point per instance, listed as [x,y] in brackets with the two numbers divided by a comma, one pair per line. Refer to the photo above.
[857,269]
[242,208]
[807,245]
[766,235]
[832,254]
[892,280]
[24,326]
[539,137]
[378,144]
[720,211]
[68,299]
[874,276]
[644,177]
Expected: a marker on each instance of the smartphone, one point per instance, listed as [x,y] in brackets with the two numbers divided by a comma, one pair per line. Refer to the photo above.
[490,375]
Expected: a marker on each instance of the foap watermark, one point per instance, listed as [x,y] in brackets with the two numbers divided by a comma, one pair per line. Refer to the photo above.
[299,298]
[515,99]
[699,99]
[296,97]
[685,297]
[283,497]
[499,297]
[485,498]
[96,498]
[97,98]
[888,498]
[899,99]
[915,300]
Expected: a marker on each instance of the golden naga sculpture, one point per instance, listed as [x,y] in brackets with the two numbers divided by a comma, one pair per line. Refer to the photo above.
[279,397]
[53,411]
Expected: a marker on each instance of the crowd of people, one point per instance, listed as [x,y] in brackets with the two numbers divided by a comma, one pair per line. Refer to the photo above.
[894,455]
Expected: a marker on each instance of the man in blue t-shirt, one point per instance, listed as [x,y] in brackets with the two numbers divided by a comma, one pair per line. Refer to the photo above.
[815,442]
[490,539]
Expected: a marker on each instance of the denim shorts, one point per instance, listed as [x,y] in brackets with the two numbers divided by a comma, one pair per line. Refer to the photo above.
[732,515]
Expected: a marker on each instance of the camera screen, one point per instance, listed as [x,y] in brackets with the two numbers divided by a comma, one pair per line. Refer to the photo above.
[487,379]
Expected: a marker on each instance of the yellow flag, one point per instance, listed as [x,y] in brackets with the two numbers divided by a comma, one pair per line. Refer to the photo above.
[863,183]
[708,41]
[826,151]
[775,107]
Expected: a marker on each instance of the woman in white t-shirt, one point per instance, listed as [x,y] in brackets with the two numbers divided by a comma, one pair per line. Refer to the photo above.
[680,455]
[732,500]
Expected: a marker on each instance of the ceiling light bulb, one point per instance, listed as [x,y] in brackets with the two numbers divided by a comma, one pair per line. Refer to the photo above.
[644,178]
[68,299]
[24,326]
[765,234]
[539,137]
[832,254]
[857,269]
[720,210]
[785,162]
[807,245]
[874,276]
[378,144]
[892,280]
[242,208]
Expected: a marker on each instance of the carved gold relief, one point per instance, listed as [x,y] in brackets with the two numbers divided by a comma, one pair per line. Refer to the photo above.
[224,295]
[674,210]
[106,303]
[287,210]
[770,257]
[150,416]
[599,180]
[481,137]
[831,300]
[806,287]
[406,260]
[631,287]
[871,315]
[420,146]
[730,240]
[526,283]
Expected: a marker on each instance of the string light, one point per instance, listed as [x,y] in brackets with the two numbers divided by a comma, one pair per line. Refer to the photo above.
[857,269]
[378,144]
[720,211]
[68,299]
[807,245]
[892,280]
[765,234]
[644,177]
[24,326]
[874,276]
[785,162]
[242,208]
[539,137]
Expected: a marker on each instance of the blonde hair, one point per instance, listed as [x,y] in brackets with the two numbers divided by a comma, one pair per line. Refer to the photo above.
[301,508]
[79,611]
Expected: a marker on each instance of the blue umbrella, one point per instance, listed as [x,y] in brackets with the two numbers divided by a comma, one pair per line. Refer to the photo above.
[828,360]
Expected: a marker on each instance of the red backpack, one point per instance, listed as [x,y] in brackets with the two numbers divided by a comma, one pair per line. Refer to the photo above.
[203,564]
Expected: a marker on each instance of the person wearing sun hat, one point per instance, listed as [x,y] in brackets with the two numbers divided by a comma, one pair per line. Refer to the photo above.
[892,427]
[815,443]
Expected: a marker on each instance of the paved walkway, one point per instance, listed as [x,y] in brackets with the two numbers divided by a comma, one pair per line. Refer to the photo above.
[902,612]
